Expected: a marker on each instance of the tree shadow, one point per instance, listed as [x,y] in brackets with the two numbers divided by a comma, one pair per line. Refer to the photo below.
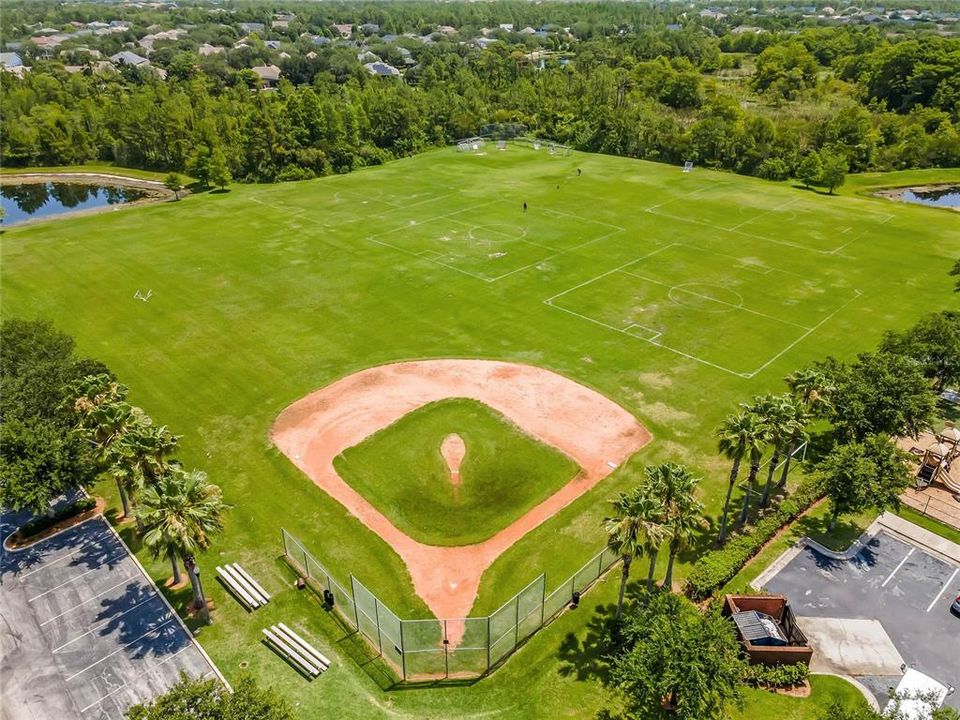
[811,189]
[141,622]
[589,658]
[220,191]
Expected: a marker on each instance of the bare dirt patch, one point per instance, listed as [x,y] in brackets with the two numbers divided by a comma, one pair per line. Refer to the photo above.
[592,429]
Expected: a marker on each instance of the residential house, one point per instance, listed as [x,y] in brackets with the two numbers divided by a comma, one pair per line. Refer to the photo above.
[252,27]
[10,60]
[269,75]
[368,57]
[208,49]
[370,29]
[345,29]
[125,57]
[381,69]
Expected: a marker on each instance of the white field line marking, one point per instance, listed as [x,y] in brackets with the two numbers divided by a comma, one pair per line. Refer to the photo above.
[693,194]
[79,604]
[787,204]
[656,335]
[557,254]
[816,327]
[945,586]
[120,649]
[840,248]
[94,628]
[744,308]
[77,577]
[550,300]
[890,576]
[767,269]
[148,670]
[655,341]
[44,566]
[433,219]
[762,238]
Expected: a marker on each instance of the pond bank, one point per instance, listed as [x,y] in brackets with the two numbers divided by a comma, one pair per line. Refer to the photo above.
[914,194]
[152,191]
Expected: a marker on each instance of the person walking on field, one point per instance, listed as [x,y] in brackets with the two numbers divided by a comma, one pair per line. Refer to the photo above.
[524,207]
[578,172]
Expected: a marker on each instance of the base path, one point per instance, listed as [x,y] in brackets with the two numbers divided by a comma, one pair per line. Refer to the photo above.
[592,429]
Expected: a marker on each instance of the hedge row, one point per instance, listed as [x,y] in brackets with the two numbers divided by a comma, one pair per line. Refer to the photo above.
[776,676]
[718,567]
[39,524]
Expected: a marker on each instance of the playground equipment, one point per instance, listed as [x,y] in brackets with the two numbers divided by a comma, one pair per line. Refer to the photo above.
[938,457]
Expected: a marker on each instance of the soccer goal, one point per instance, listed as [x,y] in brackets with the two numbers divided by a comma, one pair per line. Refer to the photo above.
[501,144]
[471,144]
[687,166]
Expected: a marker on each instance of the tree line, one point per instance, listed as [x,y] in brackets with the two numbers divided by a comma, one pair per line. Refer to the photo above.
[815,104]
[66,421]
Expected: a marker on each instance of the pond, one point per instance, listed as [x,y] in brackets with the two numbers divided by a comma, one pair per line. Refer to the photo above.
[24,201]
[940,197]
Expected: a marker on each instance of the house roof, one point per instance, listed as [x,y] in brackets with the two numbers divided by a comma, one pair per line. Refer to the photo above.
[381,69]
[125,57]
[267,72]
[10,59]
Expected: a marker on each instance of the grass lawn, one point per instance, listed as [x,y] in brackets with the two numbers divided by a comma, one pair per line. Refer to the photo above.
[934,526]
[504,472]
[825,689]
[677,295]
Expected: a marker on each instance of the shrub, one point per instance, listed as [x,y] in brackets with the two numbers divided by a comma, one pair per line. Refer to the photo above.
[776,676]
[39,524]
[717,567]
[773,169]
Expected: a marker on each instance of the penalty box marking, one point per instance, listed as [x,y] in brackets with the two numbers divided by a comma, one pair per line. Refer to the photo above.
[880,218]
[439,259]
[655,339]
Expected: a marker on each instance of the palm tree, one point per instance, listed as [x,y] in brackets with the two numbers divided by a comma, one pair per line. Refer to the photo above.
[733,438]
[795,437]
[813,388]
[179,514]
[683,512]
[623,538]
[106,418]
[779,411]
[148,448]
[652,530]
[756,444]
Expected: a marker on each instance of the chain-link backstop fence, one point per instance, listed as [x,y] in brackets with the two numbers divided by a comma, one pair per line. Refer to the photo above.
[447,648]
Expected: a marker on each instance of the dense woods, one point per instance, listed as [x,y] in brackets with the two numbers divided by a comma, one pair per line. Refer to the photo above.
[620,82]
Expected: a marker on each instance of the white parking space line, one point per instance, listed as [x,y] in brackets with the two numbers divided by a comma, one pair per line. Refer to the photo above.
[81,604]
[121,649]
[945,586]
[44,566]
[94,628]
[149,670]
[890,576]
[77,577]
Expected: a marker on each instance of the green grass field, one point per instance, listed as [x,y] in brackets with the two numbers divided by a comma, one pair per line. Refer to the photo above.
[504,472]
[677,295]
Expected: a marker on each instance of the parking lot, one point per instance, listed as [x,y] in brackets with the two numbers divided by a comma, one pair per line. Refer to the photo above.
[84,633]
[908,590]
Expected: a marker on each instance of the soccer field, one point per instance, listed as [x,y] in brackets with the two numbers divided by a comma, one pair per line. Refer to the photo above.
[677,295]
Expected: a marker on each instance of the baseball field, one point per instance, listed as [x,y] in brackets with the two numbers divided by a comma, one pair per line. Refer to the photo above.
[641,303]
